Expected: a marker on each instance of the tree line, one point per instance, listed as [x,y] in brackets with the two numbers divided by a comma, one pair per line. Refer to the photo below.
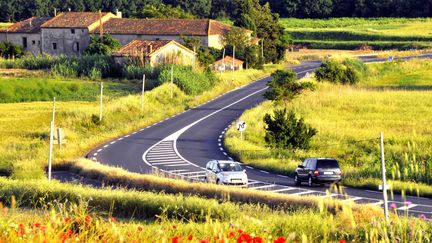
[351,8]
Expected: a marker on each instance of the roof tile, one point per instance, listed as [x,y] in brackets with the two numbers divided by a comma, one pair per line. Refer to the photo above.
[73,20]
[31,25]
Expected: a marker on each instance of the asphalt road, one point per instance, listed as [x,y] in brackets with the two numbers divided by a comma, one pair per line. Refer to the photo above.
[184,143]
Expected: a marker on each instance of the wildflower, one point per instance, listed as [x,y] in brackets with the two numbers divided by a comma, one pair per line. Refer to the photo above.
[88,219]
[393,206]
[140,229]
[204,241]
[257,240]
[279,240]
[231,234]
[174,226]
[175,239]
[36,225]
[69,233]
[423,217]
[67,219]
[244,238]
[21,230]
[342,241]
[240,231]
[190,237]
[112,220]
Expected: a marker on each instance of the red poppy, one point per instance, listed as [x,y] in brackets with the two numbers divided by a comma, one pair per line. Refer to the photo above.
[244,238]
[36,225]
[88,218]
[257,240]
[175,239]
[174,226]
[342,241]
[190,237]
[112,220]
[240,231]
[204,241]
[231,234]
[279,240]
[140,229]
[67,219]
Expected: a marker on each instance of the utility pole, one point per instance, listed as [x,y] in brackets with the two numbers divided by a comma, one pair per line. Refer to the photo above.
[384,184]
[100,103]
[233,63]
[51,141]
[142,94]
[172,80]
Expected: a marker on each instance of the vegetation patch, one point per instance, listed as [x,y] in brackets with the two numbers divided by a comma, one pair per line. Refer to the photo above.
[349,119]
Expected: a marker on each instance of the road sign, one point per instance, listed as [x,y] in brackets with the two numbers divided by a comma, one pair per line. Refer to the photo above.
[241,126]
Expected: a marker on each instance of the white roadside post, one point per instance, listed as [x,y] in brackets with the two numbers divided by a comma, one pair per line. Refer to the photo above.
[223,62]
[100,105]
[142,94]
[384,185]
[59,137]
[241,127]
[233,68]
[172,80]
[51,141]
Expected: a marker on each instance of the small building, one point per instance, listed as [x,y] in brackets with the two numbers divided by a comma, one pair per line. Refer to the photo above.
[26,33]
[155,52]
[69,33]
[228,63]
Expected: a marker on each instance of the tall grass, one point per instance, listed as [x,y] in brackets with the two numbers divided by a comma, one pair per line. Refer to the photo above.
[393,99]
[23,148]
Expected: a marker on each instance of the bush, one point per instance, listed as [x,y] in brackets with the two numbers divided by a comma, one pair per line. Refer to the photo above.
[9,50]
[186,79]
[285,131]
[348,71]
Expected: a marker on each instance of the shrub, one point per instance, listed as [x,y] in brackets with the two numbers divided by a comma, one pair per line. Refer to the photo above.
[102,46]
[10,50]
[349,71]
[285,131]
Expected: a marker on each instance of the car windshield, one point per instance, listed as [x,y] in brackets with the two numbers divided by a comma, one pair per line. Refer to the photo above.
[327,164]
[230,167]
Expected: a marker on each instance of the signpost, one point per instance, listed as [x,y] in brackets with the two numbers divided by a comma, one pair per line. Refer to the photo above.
[51,141]
[241,127]
[100,105]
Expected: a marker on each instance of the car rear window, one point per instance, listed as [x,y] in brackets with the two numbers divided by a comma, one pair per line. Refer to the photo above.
[230,167]
[327,164]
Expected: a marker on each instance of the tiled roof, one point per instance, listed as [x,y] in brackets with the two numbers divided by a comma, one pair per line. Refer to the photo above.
[31,25]
[229,60]
[136,47]
[73,20]
[187,27]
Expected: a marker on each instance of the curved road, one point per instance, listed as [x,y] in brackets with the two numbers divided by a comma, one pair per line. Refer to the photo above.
[183,144]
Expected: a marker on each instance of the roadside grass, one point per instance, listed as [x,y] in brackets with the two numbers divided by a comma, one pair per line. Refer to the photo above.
[351,33]
[2,24]
[43,211]
[394,98]
[24,127]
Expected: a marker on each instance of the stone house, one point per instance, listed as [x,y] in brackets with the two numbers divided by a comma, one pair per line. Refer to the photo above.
[228,63]
[26,34]
[155,52]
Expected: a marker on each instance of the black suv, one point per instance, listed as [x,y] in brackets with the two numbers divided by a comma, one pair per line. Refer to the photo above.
[318,170]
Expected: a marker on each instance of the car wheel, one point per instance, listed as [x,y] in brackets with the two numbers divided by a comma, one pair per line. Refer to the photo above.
[310,183]
[297,182]
[218,182]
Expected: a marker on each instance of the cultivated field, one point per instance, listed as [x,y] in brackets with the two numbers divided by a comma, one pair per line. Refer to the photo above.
[395,99]
[351,33]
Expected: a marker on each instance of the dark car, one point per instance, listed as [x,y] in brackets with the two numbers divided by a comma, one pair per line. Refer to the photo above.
[318,170]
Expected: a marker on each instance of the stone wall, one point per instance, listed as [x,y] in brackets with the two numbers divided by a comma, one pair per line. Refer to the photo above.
[70,42]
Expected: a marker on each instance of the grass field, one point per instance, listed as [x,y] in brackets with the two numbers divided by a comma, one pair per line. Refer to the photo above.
[5,24]
[393,99]
[351,33]
[24,127]
[37,211]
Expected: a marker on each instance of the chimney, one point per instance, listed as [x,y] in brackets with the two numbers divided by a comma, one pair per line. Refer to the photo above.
[119,14]
[30,22]
[69,9]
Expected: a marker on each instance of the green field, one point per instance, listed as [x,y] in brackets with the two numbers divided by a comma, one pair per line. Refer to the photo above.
[351,33]
[395,99]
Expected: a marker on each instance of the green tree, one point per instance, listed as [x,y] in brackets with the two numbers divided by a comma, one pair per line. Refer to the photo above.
[284,86]
[102,46]
[164,11]
[285,131]
[349,71]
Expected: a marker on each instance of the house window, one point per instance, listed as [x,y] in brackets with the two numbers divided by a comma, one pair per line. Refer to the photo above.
[72,31]
[38,43]
[54,46]
[24,42]
[33,42]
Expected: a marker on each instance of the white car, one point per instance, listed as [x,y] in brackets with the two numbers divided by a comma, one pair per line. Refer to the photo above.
[225,172]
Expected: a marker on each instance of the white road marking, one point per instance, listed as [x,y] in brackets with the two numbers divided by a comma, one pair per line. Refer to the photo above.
[352,199]
[282,176]
[126,136]
[262,187]
[192,172]
[225,153]
[263,171]
[219,144]
[303,193]
[105,146]
[168,163]
[253,182]
[196,176]
[177,165]
[165,160]
[373,191]
[377,203]
[249,167]
[329,195]
[95,154]
[230,158]
[120,139]
[175,171]
[406,207]
[285,189]
[221,149]
[99,150]
[113,142]
[134,133]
